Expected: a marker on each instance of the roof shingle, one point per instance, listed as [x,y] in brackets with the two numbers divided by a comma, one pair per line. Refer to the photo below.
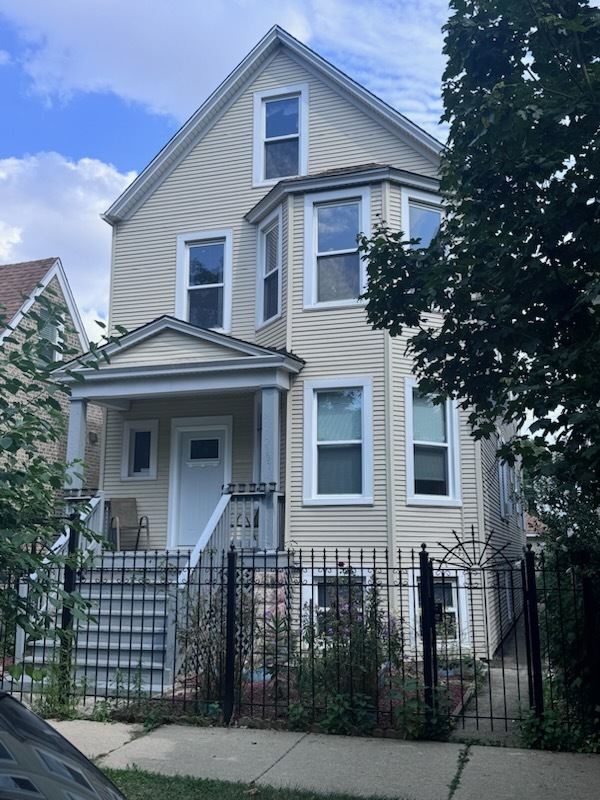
[18,282]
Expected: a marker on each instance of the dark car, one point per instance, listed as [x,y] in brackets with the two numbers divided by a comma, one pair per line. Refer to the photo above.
[37,762]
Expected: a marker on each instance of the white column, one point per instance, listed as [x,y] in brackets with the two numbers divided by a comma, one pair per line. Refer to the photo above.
[269,463]
[269,438]
[76,443]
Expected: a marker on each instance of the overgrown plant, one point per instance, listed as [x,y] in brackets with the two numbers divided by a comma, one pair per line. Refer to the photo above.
[568,581]
[32,417]
[202,636]
[350,644]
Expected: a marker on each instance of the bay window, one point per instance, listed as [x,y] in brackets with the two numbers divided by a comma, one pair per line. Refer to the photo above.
[338,442]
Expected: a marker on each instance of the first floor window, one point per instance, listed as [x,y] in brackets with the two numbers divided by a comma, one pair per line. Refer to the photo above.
[139,449]
[432,448]
[338,442]
[335,271]
[204,279]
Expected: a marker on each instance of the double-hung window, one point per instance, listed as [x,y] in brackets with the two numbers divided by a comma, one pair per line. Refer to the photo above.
[269,269]
[280,133]
[338,442]
[432,464]
[421,216]
[204,279]
[334,270]
[140,445]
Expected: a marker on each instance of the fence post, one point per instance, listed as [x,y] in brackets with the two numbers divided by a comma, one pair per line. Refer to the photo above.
[428,629]
[532,635]
[591,648]
[65,634]
[230,637]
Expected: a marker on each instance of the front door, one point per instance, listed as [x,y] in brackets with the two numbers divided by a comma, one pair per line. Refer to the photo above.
[202,465]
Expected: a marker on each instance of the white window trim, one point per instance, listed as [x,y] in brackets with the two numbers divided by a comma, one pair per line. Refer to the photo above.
[258,153]
[311,202]
[275,218]
[409,196]
[139,425]
[507,481]
[310,496]
[454,496]
[452,576]
[184,240]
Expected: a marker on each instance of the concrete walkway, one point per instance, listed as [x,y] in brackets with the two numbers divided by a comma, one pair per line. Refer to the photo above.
[358,766]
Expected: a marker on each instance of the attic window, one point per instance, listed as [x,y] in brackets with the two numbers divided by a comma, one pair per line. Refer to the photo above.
[280,133]
[50,336]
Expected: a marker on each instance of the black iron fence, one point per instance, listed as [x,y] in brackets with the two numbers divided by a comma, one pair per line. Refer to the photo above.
[351,642]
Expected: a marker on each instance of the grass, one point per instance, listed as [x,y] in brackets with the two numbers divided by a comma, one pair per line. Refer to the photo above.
[139,785]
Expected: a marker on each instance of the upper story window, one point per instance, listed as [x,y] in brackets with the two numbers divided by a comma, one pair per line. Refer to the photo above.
[204,279]
[269,269]
[334,270]
[432,455]
[421,216]
[280,133]
[338,442]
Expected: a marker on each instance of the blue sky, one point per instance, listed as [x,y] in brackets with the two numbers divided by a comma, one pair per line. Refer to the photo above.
[90,90]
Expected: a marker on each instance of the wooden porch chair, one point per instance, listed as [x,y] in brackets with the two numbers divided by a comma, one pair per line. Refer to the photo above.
[124,519]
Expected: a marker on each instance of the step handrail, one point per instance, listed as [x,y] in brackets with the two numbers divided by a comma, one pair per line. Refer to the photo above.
[204,541]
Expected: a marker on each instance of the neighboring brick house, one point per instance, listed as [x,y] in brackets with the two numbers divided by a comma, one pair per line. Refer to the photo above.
[20,287]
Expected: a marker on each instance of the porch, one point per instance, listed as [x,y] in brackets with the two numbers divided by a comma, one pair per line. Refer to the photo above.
[195,428]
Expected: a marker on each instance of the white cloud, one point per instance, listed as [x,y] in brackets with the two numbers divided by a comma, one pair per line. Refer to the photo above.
[50,206]
[4,58]
[169,56]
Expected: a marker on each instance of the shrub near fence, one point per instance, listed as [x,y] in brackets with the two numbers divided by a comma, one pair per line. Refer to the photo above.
[329,639]
[350,642]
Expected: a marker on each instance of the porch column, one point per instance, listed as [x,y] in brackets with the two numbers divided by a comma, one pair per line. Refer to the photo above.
[76,443]
[269,460]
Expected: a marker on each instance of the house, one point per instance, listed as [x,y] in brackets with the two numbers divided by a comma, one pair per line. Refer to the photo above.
[22,287]
[249,401]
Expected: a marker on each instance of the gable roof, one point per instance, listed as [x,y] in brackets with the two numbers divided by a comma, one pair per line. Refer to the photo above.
[20,285]
[212,362]
[133,339]
[215,106]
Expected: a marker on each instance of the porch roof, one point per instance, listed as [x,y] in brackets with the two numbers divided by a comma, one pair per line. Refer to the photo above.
[169,356]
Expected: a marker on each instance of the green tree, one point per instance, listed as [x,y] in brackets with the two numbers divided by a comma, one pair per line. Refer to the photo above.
[514,271]
[32,517]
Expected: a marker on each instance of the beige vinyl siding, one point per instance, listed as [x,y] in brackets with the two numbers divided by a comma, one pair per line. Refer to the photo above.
[335,343]
[171,347]
[211,189]
[431,524]
[394,217]
[152,495]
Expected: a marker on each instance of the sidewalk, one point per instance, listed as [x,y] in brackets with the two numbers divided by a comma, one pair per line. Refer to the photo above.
[360,766]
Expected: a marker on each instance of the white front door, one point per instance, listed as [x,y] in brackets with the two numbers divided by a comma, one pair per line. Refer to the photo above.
[202,464]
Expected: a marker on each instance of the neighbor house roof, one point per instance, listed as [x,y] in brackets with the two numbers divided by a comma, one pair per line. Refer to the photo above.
[219,101]
[18,282]
[21,283]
